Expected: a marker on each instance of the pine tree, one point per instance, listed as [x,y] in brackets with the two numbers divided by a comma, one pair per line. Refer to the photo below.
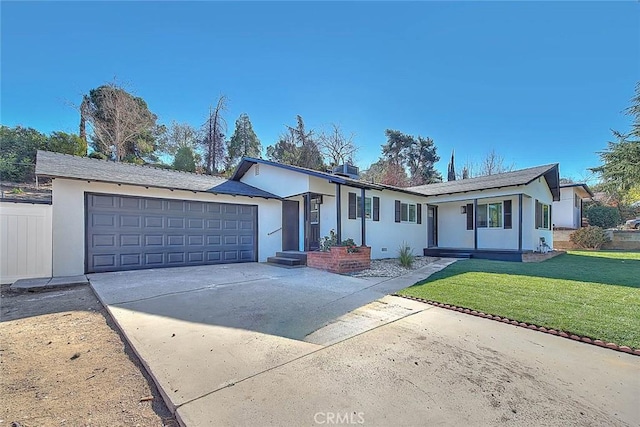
[451,174]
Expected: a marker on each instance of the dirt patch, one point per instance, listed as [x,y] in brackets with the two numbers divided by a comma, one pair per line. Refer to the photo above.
[62,362]
[26,192]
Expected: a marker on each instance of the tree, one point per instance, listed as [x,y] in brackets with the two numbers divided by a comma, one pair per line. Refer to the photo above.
[415,155]
[243,143]
[122,124]
[386,172]
[337,148]
[494,163]
[451,171]
[215,129]
[67,143]
[18,147]
[620,169]
[184,160]
[491,164]
[297,147]
[180,135]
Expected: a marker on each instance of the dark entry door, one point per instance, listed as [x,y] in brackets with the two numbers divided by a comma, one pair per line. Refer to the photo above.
[290,225]
[432,226]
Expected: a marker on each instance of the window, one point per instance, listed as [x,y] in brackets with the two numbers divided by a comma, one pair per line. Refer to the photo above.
[408,212]
[367,207]
[489,215]
[495,215]
[481,221]
[543,216]
[576,200]
[314,214]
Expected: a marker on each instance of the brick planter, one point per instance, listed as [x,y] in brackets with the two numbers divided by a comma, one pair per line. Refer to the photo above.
[338,260]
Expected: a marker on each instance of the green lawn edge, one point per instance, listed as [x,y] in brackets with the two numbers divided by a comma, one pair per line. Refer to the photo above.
[588,293]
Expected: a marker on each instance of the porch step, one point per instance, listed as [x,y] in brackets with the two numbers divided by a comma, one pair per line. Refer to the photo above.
[286,261]
[293,254]
[455,255]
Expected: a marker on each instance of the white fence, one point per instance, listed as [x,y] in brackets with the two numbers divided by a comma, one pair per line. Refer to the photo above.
[25,241]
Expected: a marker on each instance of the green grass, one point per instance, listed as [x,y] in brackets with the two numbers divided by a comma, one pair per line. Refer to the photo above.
[589,293]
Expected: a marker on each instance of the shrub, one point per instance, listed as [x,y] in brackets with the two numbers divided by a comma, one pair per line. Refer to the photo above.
[350,244]
[327,241]
[603,216]
[592,237]
[406,256]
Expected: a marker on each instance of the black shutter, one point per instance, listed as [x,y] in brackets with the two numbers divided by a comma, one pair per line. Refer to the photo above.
[538,214]
[469,216]
[352,205]
[507,214]
[398,211]
[419,213]
[376,208]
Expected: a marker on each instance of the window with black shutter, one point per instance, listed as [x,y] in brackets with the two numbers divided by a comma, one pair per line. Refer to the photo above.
[352,205]
[376,208]
[469,216]
[507,214]
[398,211]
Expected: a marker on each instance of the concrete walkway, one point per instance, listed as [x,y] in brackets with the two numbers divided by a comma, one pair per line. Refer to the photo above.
[256,344]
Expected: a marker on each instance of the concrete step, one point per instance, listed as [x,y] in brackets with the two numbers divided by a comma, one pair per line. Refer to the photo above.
[454,255]
[285,261]
[293,254]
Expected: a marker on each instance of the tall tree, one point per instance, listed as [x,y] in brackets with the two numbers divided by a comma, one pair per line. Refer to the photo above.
[451,170]
[494,163]
[67,143]
[297,147]
[620,169]
[415,155]
[215,129]
[184,159]
[244,142]
[337,148]
[122,124]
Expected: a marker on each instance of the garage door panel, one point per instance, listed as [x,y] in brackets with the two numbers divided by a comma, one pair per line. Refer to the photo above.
[125,233]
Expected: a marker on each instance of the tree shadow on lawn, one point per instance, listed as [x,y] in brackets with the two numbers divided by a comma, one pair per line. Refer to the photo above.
[581,268]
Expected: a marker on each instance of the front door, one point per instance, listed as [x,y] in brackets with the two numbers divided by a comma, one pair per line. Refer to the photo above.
[290,225]
[432,226]
[312,221]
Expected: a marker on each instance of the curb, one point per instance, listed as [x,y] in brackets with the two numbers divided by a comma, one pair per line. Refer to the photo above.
[563,334]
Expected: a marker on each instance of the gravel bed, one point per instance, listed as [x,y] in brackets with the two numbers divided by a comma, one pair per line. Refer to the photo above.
[391,267]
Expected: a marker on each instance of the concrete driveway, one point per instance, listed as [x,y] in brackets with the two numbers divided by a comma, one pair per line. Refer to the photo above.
[255,344]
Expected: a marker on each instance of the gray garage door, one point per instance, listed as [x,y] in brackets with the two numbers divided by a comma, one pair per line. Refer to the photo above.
[131,233]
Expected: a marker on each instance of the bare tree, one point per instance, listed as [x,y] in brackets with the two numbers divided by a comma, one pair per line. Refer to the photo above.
[215,129]
[337,148]
[493,163]
[118,120]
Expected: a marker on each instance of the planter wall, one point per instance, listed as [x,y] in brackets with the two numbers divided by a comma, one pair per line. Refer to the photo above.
[338,260]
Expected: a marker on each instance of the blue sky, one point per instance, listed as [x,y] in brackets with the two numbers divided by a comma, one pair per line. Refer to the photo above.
[538,82]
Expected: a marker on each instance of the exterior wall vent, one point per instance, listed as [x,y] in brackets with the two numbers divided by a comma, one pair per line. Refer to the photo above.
[349,171]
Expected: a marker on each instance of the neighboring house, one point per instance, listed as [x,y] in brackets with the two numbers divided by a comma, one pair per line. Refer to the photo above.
[567,212]
[115,216]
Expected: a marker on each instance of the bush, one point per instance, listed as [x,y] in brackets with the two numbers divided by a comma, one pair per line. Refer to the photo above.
[350,244]
[406,256]
[603,216]
[592,237]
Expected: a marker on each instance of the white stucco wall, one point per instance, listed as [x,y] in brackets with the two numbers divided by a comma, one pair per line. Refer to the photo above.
[538,190]
[452,226]
[565,214]
[68,218]
[276,180]
[385,236]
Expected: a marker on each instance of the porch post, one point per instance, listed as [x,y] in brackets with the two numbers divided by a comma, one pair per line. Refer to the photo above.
[364,218]
[338,213]
[307,213]
[475,224]
[520,222]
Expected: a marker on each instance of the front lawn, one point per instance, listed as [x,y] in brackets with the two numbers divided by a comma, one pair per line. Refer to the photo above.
[594,294]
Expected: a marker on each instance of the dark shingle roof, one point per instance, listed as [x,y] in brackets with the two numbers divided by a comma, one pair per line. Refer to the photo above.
[58,165]
[247,162]
[501,180]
